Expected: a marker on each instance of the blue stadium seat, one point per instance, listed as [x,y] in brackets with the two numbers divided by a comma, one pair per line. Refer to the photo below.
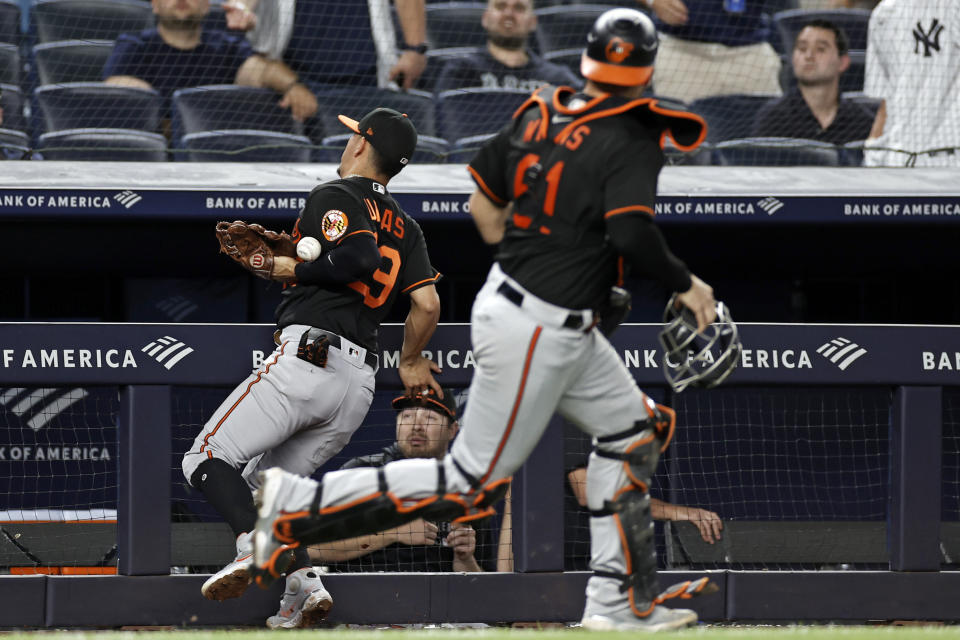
[71,60]
[9,21]
[9,64]
[94,105]
[569,58]
[244,145]
[436,59]
[463,150]
[430,150]
[357,101]
[103,144]
[14,145]
[566,26]
[228,106]
[775,152]
[11,101]
[869,103]
[850,80]
[455,24]
[852,21]
[730,116]
[463,113]
[56,20]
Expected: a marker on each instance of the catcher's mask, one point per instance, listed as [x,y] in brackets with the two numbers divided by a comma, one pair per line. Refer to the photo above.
[692,359]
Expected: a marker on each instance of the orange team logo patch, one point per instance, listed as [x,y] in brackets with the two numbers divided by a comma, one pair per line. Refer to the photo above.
[618,49]
[334,224]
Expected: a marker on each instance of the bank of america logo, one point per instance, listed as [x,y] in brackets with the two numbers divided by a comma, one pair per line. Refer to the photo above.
[38,406]
[771,205]
[127,198]
[841,352]
[167,351]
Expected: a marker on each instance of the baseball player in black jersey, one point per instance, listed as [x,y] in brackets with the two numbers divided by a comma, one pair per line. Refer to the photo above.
[302,405]
[566,190]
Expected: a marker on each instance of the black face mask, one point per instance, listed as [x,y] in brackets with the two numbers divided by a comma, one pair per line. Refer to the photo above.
[508,42]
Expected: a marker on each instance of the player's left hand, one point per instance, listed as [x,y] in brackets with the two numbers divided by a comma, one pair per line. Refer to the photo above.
[301,102]
[463,540]
[417,376]
[410,66]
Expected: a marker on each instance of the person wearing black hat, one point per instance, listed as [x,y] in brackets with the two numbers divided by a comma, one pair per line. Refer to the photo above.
[303,404]
[426,424]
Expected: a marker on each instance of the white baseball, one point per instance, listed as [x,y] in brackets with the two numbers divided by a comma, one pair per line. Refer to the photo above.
[308,249]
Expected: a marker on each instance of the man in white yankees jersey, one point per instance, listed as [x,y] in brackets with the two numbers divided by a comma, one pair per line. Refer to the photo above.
[567,192]
[302,405]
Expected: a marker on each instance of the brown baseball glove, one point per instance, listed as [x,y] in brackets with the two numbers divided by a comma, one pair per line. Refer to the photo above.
[253,246]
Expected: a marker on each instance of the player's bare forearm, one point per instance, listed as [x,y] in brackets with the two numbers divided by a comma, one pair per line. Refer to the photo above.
[351,548]
[879,121]
[490,218]
[416,372]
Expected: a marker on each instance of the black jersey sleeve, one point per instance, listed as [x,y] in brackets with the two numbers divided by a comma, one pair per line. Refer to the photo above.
[332,215]
[417,271]
[488,168]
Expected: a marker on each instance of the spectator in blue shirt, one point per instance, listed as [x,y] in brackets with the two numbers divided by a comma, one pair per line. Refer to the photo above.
[712,48]
[506,62]
[815,110]
[180,53]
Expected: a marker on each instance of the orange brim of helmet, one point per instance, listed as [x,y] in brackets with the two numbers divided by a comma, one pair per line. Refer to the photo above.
[613,73]
[350,123]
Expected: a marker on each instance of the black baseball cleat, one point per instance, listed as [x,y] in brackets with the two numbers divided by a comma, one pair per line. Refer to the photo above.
[271,556]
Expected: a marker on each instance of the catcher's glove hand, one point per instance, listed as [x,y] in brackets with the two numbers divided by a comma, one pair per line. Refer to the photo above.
[253,246]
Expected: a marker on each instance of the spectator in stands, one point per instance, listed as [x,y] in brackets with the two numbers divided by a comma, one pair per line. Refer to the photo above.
[814,109]
[425,427]
[179,53]
[506,62]
[343,42]
[713,47]
[913,67]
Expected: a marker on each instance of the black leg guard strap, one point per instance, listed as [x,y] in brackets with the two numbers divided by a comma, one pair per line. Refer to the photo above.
[631,512]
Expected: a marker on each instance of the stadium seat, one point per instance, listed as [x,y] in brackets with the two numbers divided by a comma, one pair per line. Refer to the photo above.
[357,101]
[730,116]
[775,152]
[850,80]
[11,101]
[701,157]
[9,21]
[455,24]
[852,21]
[56,20]
[436,59]
[15,145]
[71,61]
[9,64]
[566,26]
[851,154]
[462,113]
[103,144]
[94,105]
[569,58]
[463,150]
[227,106]
[244,145]
[869,103]
[430,150]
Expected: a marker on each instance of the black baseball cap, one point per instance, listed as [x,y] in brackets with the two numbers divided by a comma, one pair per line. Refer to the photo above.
[428,399]
[390,132]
